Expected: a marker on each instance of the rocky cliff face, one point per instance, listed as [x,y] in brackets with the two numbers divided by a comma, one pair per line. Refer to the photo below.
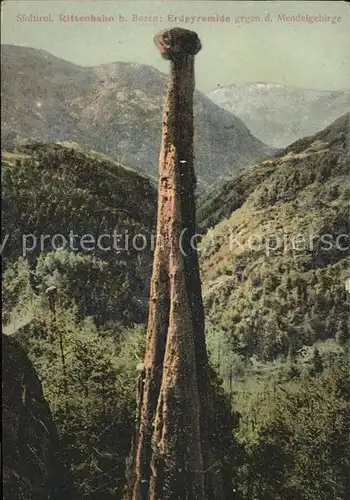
[34,467]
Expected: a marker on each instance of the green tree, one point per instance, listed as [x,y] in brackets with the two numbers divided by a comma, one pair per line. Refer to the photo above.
[94,414]
[317,366]
[302,448]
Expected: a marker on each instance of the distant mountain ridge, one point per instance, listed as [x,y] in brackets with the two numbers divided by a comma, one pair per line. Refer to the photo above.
[116,109]
[279,115]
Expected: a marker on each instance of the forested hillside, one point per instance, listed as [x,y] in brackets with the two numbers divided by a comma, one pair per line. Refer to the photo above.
[276,316]
[275,258]
[64,193]
[85,348]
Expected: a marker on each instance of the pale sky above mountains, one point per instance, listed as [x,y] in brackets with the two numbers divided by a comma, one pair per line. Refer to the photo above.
[275,49]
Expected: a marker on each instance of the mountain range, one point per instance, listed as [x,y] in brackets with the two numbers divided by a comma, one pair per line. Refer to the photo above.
[279,115]
[115,109]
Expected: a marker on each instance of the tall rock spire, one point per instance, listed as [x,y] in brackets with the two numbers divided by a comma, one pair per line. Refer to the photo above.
[172,456]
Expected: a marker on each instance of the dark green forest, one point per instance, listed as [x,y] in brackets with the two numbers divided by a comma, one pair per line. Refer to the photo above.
[277,326]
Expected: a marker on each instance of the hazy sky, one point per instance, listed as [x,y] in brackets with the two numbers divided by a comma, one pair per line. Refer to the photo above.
[248,48]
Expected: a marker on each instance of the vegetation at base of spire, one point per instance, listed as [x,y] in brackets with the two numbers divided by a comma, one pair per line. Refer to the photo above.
[277,327]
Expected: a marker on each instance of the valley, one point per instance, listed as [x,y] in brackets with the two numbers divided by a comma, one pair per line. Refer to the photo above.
[80,149]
